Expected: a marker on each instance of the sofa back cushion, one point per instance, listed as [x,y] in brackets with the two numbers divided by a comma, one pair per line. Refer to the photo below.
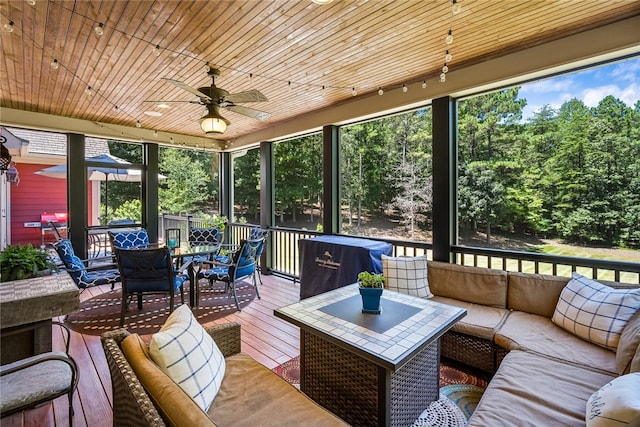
[629,345]
[175,406]
[534,293]
[472,284]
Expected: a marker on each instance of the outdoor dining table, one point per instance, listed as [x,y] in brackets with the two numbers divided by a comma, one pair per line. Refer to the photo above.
[185,258]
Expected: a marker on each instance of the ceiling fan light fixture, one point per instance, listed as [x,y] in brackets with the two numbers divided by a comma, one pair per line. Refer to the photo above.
[213,123]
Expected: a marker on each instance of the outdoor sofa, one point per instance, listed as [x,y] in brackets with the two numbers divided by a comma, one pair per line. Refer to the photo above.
[544,375]
[249,395]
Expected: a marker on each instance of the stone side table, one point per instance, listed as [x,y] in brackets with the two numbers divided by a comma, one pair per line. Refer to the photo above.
[26,309]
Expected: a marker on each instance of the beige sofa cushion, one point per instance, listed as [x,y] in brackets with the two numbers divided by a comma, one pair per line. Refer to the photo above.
[534,293]
[533,390]
[175,406]
[629,344]
[481,321]
[472,284]
[251,395]
[525,331]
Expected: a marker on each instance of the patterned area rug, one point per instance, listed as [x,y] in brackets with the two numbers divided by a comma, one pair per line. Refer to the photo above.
[102,313]
[460,391]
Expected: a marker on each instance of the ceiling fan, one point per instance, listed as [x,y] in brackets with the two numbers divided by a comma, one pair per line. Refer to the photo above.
[215,98]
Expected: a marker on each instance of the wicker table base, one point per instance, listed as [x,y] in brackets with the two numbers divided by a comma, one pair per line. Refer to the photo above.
[363,393]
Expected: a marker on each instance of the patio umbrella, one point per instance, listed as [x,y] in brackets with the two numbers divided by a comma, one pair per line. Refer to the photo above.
[100,173]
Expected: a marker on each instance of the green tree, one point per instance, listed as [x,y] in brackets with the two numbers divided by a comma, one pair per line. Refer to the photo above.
[246,183]
[298,176]
[185,186]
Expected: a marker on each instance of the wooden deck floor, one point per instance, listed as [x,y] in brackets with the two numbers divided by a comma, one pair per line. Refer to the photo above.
[269,340]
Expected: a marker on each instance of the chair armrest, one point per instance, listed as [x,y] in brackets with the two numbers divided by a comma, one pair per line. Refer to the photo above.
[102,267]
[227,337]
[41,358]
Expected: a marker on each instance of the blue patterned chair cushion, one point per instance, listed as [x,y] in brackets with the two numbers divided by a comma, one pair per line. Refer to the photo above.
[82,277]
[205,236]
[129,239]
[258,233]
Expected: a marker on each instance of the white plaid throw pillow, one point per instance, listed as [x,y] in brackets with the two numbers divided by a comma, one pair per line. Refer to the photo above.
[187,353]
[595,312]
[407,275]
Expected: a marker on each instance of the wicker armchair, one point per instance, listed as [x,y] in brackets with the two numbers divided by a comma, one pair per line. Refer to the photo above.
[132,406]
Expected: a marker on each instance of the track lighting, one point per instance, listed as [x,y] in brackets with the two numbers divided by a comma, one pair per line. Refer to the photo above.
[445,69]
[404,88]
[99,29]
[447,57]
[138,124]
[55,64]
[156,50]
[353,91]
[424,84]
[88,91]
[380,91]
[443,78]
[9,26]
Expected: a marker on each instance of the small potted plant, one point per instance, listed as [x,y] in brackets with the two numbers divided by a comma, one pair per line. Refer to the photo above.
[23,262]
[371,286]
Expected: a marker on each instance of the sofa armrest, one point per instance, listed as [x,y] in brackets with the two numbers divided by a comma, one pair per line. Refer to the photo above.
[227,337]
[131,404]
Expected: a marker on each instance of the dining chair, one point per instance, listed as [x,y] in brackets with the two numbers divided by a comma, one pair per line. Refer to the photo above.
[241,264]
[204,236]
[147,271]
[255,234]
[128,239]
[81,273]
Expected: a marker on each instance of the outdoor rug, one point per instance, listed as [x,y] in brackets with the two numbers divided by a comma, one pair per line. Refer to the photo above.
[102,313]
[460,391]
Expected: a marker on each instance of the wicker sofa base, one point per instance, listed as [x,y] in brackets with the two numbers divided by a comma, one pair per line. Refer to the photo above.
[473,351]
[363,393]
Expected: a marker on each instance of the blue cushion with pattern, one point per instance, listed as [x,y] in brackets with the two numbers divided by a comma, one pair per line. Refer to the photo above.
[129,239]
[82,277]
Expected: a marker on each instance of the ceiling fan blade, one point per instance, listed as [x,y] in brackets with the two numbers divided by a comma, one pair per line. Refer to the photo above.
[250,112]
[188,88]
[164,101]
[252,95]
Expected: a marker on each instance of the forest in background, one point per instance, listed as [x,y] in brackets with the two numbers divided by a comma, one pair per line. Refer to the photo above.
[571,173]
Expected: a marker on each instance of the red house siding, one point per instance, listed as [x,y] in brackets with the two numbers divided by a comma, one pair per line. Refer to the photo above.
[33,196]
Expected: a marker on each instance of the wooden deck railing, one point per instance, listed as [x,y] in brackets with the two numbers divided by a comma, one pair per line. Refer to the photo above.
[285,257]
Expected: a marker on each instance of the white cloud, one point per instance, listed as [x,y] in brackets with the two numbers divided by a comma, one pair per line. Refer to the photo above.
[629,94]
[547,86]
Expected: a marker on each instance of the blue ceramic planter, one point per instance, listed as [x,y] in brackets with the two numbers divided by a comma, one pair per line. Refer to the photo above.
[371,300]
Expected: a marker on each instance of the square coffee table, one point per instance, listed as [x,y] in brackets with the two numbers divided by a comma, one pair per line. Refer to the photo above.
[370,369]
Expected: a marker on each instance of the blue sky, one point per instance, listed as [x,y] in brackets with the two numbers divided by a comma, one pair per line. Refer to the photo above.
[620,79]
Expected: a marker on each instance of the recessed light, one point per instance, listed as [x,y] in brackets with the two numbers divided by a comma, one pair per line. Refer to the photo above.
[153,113]
[162,106]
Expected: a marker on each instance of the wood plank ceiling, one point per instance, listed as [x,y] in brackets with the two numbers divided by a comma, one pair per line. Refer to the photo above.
[303,56]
